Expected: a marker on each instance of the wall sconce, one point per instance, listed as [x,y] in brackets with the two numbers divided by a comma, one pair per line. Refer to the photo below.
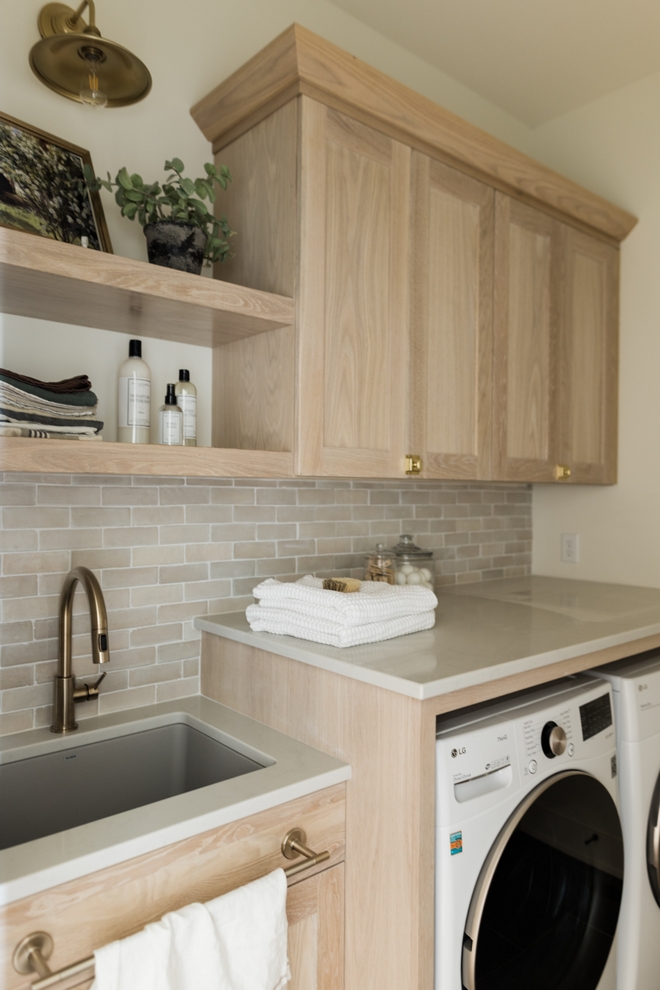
[75,61]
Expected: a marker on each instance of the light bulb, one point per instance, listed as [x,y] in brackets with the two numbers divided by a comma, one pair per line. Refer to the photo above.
[91,93]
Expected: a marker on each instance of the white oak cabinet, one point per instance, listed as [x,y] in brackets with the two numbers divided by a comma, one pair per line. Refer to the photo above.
[115,902]
[555,355]
[588,358]
[451,321]
[454,299]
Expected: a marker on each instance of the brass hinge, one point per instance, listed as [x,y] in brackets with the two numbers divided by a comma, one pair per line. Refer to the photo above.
[413,464]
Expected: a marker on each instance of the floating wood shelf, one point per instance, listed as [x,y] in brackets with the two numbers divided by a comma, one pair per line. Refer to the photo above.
[60,282]
[52,281]
[88,457]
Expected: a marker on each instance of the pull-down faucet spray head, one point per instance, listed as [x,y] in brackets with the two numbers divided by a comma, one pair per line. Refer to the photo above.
[66,692]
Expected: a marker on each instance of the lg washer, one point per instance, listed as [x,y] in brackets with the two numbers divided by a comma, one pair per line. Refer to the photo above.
[636,692]
[529,846]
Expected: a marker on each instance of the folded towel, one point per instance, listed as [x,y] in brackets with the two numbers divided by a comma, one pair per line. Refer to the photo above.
[54,423]
[284,622]
[69,386]
[26,431]
[11,395]
[235,942]
[374,602]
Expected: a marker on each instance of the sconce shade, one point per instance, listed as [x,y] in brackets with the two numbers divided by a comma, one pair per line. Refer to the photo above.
[60,60]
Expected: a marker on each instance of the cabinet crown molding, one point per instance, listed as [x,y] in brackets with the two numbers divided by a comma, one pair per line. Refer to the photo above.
[300,62]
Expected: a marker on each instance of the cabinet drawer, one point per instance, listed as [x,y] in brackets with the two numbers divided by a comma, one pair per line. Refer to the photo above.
[86,913]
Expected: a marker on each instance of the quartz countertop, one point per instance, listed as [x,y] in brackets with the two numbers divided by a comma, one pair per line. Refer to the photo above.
[291,770]
[483,632]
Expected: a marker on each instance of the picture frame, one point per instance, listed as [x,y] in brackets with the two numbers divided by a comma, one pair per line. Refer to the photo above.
[42,187]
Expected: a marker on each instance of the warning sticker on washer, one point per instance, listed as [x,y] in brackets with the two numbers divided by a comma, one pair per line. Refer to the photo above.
[456,843]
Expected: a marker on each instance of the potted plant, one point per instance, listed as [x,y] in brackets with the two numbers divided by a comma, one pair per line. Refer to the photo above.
[181,231]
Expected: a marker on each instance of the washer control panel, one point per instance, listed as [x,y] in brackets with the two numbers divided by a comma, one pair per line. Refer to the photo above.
[596,716]
[548,736]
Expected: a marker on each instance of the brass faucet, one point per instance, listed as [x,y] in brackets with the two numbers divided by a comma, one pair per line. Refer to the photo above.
[66,692]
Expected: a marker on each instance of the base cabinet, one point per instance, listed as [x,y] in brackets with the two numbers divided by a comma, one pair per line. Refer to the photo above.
[84,914]
[315,909]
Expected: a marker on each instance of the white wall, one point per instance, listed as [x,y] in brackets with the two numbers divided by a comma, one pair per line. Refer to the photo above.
[613,147]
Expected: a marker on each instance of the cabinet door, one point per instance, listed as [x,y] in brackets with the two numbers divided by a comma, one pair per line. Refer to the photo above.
[451,321]
[526,317]
[352,342]
[588,384]
[315,909]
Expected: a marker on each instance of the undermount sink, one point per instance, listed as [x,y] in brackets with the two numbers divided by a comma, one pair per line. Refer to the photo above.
[83,783]
[132,782]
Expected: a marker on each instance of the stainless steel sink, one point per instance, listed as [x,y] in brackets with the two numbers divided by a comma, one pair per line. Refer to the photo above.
[76,785]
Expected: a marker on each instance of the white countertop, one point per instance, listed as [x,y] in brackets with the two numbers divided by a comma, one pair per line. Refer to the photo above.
[483,632]
[292,771]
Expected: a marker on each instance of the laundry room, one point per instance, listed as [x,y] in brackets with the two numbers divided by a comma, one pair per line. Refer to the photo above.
[330,595]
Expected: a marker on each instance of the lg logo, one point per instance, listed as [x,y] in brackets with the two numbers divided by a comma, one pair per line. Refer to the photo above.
[458,752]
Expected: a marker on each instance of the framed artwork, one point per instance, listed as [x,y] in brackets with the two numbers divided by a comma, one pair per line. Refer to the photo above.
[42,187]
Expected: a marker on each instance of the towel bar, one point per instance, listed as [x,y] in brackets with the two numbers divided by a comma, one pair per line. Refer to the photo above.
[31,953]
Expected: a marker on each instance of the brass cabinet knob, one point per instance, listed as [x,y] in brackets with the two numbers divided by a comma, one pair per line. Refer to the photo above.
[413,464]
[562,472]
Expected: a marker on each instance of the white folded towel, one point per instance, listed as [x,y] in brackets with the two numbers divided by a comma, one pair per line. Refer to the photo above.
[284,622]
[374,602]
[235,942]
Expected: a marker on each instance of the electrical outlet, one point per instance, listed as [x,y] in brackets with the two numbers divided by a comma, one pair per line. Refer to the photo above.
[570,548]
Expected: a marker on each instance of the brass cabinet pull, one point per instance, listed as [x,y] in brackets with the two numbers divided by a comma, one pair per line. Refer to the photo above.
[413,464]
[562,472]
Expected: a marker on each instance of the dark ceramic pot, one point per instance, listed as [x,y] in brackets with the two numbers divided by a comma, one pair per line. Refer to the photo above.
[176,245]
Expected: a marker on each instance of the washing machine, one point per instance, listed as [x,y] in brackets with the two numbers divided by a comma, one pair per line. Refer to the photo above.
[529,845]
[636,692]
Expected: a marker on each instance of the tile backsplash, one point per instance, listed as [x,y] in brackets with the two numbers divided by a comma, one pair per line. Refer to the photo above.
[168,549]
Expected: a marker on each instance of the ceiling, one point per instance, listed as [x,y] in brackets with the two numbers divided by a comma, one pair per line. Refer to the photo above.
[537,59]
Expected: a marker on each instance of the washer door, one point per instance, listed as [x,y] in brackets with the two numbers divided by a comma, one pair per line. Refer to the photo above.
[653,843]
[546,904]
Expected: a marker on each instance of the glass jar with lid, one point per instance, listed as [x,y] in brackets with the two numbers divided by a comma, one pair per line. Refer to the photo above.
[413,565]
[379,565]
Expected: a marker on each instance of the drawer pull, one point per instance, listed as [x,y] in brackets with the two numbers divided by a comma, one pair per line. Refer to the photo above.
[293,845]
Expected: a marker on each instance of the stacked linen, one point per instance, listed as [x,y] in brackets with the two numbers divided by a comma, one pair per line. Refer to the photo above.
[376,612]
[31,408]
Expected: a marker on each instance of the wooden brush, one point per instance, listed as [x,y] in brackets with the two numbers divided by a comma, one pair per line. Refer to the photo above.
[341,584]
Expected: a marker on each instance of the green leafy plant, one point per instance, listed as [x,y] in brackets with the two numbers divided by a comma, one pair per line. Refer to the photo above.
[178,199]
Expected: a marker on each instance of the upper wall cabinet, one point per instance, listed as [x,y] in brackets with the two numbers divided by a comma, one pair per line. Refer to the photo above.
[555,350]
[352,297]
[454,299]
[525,359]
[451,321]
[588,358]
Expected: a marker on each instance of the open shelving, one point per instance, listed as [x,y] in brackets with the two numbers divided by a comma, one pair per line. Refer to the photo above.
[47,280]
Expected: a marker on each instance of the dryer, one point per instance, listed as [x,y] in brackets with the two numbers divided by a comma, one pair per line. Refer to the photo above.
[636,692]
[529,846]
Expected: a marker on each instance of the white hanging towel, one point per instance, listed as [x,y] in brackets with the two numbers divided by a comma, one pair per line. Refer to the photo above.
[235,942]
